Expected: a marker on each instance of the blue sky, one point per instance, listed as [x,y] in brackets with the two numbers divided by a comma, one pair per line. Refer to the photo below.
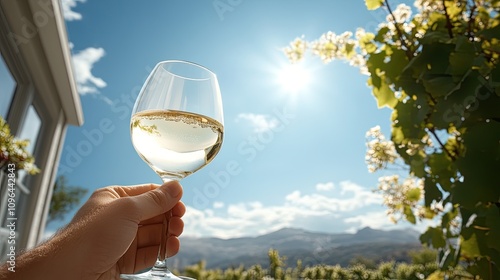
[290,158]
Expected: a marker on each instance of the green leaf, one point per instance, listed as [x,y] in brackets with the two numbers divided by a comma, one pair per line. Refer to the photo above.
[438,22]
[413,195]
[384,95]
[453,10]
[397,135]
[367,37]
[409,116]
[349,50]
[373,4]
[381,34]
[493,223]
[374,63]
[440,36]
[442,170]
[473,242]
[395,65]
[410,217]
[490,33]
[466,215]
[456,107]
[494,81]
[484,105]
[410,85]
[369,47]
[431,192]
[428,213]
[366,43]
[470,248]
[479,166]
[433,237]
[439,85]
[417,165]
[484,269]
[433,59]
[408,126]
[462,59]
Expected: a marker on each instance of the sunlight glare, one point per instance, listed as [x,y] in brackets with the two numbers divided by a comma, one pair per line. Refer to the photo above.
[293,78]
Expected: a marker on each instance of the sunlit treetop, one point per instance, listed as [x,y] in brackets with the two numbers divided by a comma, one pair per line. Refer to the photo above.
[435,66]
[433,20]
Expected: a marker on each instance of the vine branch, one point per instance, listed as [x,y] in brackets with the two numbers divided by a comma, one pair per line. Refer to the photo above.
[433,132]
[472,19]
[408,51]
[449,25]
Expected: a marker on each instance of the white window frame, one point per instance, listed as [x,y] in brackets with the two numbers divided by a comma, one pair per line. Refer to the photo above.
[44,78]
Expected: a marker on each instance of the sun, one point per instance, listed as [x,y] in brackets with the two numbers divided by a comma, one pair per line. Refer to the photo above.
[294,78]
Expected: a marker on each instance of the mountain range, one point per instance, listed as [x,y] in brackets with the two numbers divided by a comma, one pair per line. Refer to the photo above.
[311,248]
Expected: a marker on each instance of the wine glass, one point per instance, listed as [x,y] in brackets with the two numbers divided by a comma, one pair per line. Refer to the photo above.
[176,128]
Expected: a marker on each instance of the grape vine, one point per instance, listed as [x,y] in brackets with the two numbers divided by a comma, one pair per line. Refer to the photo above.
[436,66]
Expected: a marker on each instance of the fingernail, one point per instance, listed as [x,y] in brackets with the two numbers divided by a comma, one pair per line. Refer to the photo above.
[174,189]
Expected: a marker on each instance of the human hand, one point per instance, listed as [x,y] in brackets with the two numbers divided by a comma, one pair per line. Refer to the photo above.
[116,231]
[126,234]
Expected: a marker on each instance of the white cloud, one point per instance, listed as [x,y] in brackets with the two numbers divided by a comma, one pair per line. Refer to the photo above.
[218,204]
[239,220]
[315,211]
[106,100]
[260,123]
[83,62]
[67,8]
[325,186]
[351,197]
[376,220]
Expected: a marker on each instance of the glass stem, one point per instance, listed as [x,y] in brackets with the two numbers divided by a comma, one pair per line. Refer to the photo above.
[160,268]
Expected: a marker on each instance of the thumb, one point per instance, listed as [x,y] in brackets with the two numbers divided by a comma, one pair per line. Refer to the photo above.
[158,201]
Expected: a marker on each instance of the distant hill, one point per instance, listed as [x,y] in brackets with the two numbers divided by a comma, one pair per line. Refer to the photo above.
[310,247]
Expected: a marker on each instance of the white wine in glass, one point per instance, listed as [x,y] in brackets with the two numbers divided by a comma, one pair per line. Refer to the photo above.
[177,128]
[176,143]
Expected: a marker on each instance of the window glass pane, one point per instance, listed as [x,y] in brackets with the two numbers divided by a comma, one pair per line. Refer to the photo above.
[30,130]
[7,86]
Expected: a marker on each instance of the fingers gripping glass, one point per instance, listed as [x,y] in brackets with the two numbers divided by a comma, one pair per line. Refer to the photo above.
[177,128]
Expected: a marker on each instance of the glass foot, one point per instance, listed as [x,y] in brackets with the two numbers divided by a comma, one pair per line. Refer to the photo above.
[154,275]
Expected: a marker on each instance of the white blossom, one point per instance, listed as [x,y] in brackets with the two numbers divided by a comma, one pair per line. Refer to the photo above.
[395,195]
[401,14]
[360,33]
[359,61]
[296,50]
[326,47]
[380,151]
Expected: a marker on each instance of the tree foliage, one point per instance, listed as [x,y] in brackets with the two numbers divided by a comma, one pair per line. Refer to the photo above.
[64,198]
[436,67]
[13,151]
